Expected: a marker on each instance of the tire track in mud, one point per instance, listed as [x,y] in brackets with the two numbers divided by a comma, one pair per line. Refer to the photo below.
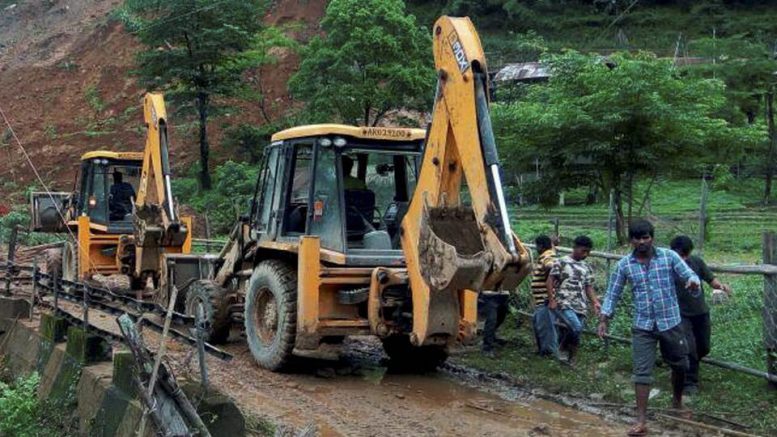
[357,395]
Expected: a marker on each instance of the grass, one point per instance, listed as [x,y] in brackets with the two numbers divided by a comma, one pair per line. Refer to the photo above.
[603,375]
[737,326]
[584,28]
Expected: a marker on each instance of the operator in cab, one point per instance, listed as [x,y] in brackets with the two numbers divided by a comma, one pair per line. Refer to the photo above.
[351,182]
[120,200]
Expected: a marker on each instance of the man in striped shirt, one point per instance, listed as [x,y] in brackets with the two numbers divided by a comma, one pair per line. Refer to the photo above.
[651,272]
[544,330]
[539,276]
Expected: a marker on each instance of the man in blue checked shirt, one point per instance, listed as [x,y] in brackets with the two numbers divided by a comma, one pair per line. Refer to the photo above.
[651,272]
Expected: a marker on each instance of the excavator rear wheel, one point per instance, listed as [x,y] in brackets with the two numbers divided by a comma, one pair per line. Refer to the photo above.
[406,357]
[215,309]
[271,313]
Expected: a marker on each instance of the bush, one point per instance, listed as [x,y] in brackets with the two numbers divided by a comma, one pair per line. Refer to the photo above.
[232,192]
[20,407]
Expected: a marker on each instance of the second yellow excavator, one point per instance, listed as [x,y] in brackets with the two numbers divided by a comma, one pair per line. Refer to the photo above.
[121,219]
[364,230]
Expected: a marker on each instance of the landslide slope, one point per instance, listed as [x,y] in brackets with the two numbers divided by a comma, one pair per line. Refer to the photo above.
[66,87]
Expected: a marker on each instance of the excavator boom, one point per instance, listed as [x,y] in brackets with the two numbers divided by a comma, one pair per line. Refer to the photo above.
[452,248]
[157,225]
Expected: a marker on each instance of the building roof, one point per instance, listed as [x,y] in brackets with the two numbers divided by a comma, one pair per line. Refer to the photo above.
[129,156]
[361,132]
[524,71]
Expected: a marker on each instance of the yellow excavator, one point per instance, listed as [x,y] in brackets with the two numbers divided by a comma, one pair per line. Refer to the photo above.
[122,218]
[364,230]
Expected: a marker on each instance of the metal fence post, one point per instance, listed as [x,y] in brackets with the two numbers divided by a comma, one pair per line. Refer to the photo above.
[11,256]
[54,282]
[770,305]
[34,295]
[85,289]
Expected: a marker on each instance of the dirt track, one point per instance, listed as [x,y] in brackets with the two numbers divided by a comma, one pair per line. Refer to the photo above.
[371,401]
[357,395]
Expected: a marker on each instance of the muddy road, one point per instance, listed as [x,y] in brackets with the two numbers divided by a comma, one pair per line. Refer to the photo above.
[358,395]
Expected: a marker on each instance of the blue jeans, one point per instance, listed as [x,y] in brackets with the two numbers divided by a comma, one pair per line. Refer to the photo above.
[574,325]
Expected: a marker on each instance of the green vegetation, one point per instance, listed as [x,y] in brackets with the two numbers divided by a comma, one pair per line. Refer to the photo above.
[233,190]
[737,325]
[197,51]
[372,58]
[604,125]
[26,416]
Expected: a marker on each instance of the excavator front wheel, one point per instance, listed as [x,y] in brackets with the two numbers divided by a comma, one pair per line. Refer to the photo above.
[53,260]
[215,309]
[69,265]
[271,313]
[408,358]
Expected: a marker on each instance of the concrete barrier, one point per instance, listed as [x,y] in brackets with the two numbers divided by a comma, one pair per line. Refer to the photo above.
[79,380]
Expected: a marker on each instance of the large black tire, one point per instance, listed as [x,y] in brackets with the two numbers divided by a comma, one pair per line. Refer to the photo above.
[215,308]
[53,260]
[408,358]
[271,313]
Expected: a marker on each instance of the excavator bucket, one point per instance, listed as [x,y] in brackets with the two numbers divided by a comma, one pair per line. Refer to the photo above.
[451,251]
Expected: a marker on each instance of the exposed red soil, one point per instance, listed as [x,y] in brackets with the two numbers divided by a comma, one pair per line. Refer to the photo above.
[53,53]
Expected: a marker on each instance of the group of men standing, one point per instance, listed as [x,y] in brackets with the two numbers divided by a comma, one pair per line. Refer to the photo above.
[669,310]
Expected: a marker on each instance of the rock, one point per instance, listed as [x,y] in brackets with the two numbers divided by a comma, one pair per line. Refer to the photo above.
[399,396]
[541,429]
[598,397]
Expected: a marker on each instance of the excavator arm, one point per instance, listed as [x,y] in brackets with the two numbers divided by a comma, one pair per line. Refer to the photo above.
[453,250]
[158,228]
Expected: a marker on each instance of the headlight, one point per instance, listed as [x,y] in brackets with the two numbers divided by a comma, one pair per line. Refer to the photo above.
[339,141]
[92,202]
[325,142]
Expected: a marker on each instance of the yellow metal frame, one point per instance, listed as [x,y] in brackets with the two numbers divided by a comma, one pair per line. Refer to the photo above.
[453,152]
[130,156]
[366,132]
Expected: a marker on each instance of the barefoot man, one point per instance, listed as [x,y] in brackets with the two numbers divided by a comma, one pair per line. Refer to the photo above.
[651,272]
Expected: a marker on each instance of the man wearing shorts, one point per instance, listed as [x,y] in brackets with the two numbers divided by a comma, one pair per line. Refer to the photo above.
[651,272]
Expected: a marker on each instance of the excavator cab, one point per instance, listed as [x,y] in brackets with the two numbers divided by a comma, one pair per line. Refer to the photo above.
[349,186]
[108,187]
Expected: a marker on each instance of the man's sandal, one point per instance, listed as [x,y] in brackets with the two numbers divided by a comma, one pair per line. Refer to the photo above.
[638,430]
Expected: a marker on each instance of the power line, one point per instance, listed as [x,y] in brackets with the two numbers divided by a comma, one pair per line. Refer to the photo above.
[612,23]
[46,188]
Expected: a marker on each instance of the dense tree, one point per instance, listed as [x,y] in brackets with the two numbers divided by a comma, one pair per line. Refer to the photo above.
[748,69]
[196,50]
[612,121]
[371,58]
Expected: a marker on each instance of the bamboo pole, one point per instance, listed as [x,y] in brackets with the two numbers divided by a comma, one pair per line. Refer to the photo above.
[739,269]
